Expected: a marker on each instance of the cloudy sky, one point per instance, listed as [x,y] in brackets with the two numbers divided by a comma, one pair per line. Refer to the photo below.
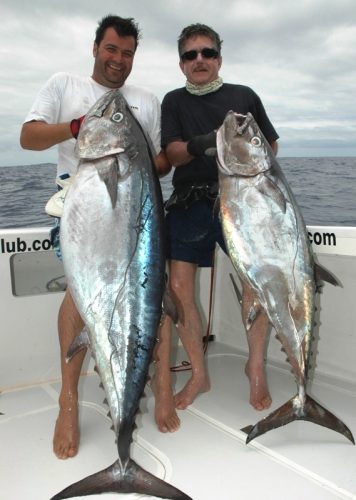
[300,57]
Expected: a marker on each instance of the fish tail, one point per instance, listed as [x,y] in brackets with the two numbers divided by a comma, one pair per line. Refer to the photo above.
[293,410]
[118,479]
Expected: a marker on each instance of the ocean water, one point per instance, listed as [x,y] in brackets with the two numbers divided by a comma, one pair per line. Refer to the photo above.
[325,189]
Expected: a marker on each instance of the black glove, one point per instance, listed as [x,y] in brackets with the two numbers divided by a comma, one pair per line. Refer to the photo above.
[202,145]
[75,126]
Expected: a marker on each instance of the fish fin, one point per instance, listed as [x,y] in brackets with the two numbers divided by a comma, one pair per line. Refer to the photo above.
[292,410]
[117,479]
[252,314]
[247,429]
[108,173]
[269,188]
[254,310]
[80,342]
[322,274]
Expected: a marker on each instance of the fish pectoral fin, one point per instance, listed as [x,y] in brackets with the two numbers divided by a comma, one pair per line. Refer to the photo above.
[80,342]
[124,166]
[112,171]
[117,479]
[293,410]
[322,274]
[108,173]
[269,188]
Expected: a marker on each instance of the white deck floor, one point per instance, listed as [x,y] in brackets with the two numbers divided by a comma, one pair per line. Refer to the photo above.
[207,458]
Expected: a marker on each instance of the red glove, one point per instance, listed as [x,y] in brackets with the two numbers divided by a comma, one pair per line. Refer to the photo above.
[75,126]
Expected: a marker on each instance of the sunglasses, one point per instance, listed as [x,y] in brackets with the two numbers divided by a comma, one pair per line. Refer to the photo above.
[207,53]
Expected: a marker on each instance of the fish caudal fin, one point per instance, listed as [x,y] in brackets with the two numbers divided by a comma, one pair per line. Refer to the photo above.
[115,479]
[293,410]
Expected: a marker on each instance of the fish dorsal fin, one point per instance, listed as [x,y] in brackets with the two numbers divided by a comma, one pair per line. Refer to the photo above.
[269,188]
[322,274]
[80,342]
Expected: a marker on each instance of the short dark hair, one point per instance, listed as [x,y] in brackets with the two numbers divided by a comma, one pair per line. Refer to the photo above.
[195,30]
[122,26]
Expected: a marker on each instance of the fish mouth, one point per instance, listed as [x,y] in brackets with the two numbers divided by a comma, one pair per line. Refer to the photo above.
[98,153]
[242,122]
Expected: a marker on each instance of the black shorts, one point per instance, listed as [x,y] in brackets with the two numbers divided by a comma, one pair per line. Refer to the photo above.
[193,232]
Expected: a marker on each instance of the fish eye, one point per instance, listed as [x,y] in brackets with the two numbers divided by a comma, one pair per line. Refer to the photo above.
[117,117]
[256,141]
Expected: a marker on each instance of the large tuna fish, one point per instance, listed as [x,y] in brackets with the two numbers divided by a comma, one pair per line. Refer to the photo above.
[269,247]
[112,245]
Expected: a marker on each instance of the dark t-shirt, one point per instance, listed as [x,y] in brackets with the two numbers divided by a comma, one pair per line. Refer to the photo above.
[185,115]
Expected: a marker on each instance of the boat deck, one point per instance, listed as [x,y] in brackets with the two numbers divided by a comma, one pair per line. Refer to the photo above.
[207,458]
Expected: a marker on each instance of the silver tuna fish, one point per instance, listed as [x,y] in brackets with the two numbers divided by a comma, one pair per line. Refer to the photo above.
[269,247]
[112,245]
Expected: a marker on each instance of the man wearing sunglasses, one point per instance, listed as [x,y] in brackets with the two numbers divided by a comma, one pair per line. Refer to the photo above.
[190,117]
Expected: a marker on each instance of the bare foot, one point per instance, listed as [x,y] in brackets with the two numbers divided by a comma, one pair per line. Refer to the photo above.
[66,432]
[195,385]
[260,397]
[166,416]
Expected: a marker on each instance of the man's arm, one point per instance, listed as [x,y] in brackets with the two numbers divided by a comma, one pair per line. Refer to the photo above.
[274,146]
[177,153]
[184,152]
[39,135]
[163,166]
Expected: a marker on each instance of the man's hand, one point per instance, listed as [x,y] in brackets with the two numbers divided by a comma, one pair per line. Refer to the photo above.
[202,145]
[75,126]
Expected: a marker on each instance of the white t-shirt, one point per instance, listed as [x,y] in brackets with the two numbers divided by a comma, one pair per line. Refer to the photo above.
[65,97]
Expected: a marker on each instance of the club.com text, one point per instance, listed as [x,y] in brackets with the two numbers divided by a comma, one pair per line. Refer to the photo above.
[19,245]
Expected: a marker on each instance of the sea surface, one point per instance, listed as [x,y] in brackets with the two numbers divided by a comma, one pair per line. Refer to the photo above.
[325,189]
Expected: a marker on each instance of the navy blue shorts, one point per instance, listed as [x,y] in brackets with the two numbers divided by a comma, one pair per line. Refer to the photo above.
[193,232]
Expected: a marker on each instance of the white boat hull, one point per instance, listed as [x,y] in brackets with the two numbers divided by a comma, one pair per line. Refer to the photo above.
[207,458]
